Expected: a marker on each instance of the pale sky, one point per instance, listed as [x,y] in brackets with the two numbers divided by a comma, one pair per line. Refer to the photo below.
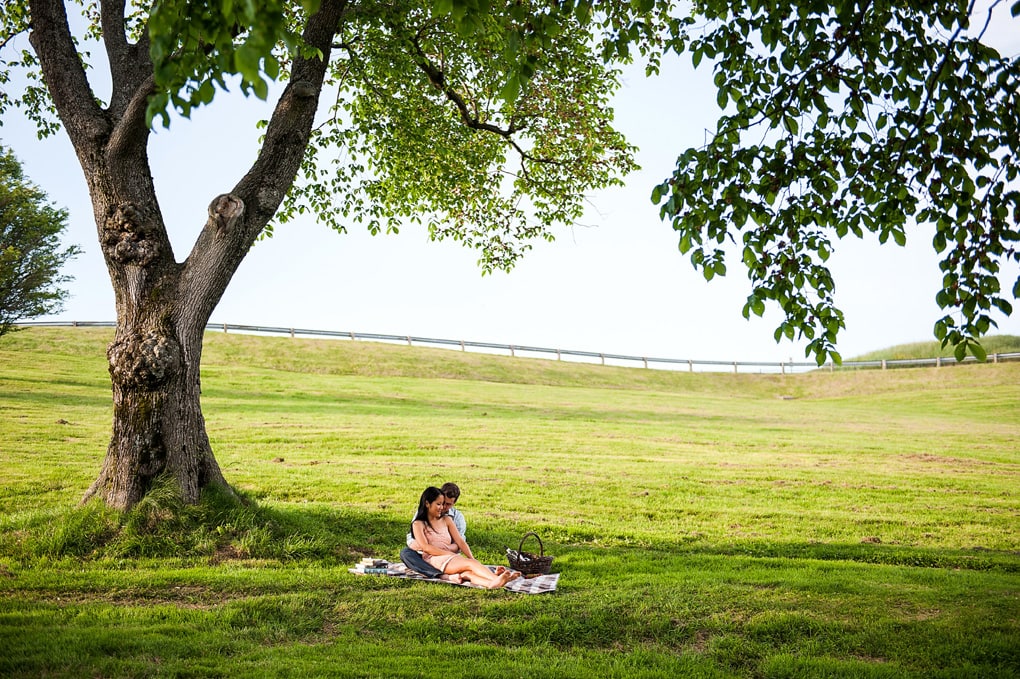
[616,284]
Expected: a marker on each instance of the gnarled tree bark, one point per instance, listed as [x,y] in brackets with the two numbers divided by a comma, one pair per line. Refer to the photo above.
[163,306]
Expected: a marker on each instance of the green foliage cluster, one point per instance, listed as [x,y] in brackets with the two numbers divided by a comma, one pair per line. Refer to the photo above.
[30,250]
[195,46]
[431,135]
[849,118]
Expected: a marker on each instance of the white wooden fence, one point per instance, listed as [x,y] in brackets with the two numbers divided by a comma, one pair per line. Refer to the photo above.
[520,350]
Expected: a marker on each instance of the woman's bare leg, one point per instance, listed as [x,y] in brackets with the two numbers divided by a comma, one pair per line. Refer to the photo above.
[477,572]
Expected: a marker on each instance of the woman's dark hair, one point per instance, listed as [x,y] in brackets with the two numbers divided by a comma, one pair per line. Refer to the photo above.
[427,498]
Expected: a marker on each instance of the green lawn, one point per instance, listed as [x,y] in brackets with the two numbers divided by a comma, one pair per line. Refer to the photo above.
[845,524]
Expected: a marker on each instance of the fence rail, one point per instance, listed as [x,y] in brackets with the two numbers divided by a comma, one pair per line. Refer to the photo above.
[569,354]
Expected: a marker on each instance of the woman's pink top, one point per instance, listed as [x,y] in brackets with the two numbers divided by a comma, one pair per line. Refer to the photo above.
[443,540]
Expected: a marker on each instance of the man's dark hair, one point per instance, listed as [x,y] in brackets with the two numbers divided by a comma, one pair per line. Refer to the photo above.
[450,490]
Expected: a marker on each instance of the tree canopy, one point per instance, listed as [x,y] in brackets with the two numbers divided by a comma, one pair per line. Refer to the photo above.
[30,249]
[843,118]
[888,117]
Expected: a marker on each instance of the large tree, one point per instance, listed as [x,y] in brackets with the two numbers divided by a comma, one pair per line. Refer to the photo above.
[488,122]
[31,254]
[421,122]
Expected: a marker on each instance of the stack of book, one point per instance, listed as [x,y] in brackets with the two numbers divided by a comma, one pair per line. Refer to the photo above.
[368,565]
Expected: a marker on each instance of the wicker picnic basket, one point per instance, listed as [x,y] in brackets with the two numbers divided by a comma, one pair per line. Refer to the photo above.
[528,563]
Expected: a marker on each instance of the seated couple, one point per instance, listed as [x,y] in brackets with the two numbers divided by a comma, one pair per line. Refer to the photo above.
[436,546]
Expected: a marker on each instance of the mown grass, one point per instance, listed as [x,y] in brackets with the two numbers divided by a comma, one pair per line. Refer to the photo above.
[859,524]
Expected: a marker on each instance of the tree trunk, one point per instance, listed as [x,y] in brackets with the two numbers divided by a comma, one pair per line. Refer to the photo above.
[163,306]
[155,359]
[158,427]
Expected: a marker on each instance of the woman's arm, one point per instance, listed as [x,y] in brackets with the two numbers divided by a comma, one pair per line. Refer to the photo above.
[458,538]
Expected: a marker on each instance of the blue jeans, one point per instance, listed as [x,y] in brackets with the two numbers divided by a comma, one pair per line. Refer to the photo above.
[413,560]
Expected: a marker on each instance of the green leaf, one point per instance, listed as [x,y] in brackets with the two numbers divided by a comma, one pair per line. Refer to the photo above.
[685,244]
[657,192]
[260,88]
[978,351]
[246,62]
[205,92]
[960,351]
[271,67]
[511,90]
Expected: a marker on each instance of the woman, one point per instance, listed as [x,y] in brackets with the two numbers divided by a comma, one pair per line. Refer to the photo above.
[443,547]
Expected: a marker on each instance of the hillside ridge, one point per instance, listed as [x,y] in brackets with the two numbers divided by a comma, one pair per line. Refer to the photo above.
[86,348]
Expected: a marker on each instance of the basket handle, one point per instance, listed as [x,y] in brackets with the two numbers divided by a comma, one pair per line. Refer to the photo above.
[541,547]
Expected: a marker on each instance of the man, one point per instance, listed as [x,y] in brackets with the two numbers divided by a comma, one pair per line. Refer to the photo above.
[452,493]
[410,554]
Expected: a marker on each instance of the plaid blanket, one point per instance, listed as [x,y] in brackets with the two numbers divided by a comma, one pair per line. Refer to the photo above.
[522,585]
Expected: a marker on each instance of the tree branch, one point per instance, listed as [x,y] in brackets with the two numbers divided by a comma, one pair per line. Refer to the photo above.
[131,127]
[12,36]
[236,219]
[130,65]
[111,18]
[64,75]
[438,80]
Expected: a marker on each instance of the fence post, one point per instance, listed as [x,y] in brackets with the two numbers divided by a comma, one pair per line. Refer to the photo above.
[292,333]
[644,359]
[782,368]
[408,340]
[690,365]
[462,346]
[938,361]
[224,327]
[512,354]
[883,364]
[603,358]
[559,356]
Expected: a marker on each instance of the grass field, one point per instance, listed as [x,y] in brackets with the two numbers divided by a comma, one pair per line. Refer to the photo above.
[857,524]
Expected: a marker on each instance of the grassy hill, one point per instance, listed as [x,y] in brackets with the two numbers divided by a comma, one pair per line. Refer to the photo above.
[993,344]
[858,524]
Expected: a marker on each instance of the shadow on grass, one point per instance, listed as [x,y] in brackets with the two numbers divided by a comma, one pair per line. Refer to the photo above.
[222,528]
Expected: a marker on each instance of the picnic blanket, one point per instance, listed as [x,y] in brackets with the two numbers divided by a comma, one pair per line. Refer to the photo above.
[523,585]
